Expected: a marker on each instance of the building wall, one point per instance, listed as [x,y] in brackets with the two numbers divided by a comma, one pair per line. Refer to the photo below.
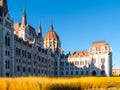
[96,62]
[116,72]
[78,66]
[21,54]
[6,46]
[32,60]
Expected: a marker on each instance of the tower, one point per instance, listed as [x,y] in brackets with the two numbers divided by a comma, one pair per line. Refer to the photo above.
[102,54]
[40,38]
[51,40]
[3,7]
[7,41]
[24,30]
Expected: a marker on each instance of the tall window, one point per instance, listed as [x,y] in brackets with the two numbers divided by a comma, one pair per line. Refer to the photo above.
[23,69]
[81,72]
[29,70]
[6,52]
[7,64]
[66,72]
[17,51]
[76,72]
[18,68]
[7,39]
[29,55]
[71,72]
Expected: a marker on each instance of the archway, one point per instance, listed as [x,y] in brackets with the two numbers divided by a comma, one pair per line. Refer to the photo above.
[103,73]
[93,73]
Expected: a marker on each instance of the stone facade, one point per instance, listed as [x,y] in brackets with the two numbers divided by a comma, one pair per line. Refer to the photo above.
[31,60]
[6,42]
[25,53]
[96,62]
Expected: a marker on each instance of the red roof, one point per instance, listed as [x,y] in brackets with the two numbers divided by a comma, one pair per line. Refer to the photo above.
[51,35]
[79,54]
[99,45]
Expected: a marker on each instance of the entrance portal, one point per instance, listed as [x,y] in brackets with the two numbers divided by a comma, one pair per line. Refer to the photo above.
[103,73]
[93,73]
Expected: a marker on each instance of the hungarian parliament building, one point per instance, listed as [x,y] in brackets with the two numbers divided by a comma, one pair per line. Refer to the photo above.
[23,52]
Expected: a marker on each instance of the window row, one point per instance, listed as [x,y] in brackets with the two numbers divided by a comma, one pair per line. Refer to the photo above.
[24,53]
[73,63]
[29,70]
[75,73]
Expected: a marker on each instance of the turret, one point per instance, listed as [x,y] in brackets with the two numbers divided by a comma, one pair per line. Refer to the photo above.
[3,7]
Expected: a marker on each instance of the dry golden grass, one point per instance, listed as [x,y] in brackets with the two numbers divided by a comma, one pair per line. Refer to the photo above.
[71,83]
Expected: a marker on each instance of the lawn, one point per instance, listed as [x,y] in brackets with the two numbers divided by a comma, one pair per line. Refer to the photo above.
[69,83]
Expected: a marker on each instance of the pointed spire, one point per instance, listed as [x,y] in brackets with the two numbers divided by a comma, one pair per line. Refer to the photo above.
[24,11]
[39,30]
[24,21]
[51,26]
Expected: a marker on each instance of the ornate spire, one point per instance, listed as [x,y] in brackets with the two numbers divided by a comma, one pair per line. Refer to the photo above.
[24,21]
[3,7]
[51,26]
[39,30]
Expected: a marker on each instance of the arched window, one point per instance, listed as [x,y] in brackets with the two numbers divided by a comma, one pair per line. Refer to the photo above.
[103,73]
[29,70]
[93,73]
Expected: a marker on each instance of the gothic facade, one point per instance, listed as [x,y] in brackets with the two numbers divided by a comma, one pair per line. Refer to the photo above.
[25,53]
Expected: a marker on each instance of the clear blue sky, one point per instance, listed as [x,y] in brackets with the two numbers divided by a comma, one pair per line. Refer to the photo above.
[77,22]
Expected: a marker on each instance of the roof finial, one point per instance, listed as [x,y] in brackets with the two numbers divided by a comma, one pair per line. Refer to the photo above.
[51,26]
